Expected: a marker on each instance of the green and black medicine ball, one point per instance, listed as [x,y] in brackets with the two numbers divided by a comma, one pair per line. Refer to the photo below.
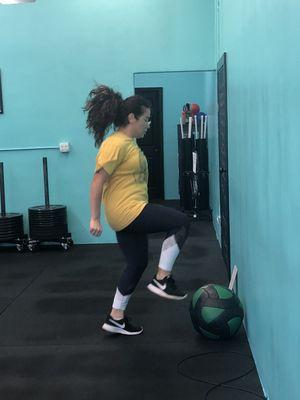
[216,312]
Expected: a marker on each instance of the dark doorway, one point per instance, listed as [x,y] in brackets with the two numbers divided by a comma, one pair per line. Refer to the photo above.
[223,160]
[152,143]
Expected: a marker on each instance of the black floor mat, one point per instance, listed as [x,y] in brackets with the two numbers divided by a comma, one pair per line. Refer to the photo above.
[52,347]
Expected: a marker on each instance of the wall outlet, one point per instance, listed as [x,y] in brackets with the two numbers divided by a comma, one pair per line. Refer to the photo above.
[64,147]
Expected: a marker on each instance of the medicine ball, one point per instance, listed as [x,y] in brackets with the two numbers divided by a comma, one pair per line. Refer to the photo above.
[216,312]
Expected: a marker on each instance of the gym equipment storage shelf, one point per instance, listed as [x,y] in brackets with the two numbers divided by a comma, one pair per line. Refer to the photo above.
[193,174]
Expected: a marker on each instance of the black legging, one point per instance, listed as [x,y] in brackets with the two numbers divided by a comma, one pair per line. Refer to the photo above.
[133,240]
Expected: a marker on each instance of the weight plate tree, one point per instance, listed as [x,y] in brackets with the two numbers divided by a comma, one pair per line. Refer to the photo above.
[11,224]
[48,223]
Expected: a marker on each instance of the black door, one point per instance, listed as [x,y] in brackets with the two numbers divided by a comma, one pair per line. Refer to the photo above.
[152,143]
[223,160]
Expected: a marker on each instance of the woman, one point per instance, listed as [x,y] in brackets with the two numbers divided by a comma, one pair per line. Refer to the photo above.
[120,181]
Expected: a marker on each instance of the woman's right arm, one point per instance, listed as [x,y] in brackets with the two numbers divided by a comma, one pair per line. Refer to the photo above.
[96,191]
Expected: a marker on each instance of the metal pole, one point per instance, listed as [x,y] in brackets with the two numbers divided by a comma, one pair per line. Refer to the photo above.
[46,185]
[3,212]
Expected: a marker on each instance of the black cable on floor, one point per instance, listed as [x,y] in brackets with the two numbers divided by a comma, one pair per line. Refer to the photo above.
[221,384]
[23,290]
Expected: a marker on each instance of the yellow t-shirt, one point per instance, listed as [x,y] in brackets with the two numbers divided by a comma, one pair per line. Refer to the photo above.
[125,194]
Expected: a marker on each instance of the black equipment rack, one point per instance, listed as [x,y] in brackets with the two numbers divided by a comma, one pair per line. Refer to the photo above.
[193,174]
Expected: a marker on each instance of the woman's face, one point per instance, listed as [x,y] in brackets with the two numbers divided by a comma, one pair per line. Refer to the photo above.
[142,124]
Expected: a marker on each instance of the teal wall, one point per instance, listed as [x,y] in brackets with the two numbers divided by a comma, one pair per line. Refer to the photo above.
[262,42]
[51,55]
[179,88]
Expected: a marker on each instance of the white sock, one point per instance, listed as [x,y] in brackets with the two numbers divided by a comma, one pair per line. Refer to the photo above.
[120,301]
[169,253]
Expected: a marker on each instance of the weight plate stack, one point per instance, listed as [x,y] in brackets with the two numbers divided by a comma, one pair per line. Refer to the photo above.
[48,223]
[11,227]
[11,224]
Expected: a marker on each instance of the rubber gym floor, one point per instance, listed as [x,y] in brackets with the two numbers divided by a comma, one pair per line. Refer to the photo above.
[52,347]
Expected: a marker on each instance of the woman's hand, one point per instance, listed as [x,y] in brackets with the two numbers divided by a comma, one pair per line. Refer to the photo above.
[96,191]
[95,227]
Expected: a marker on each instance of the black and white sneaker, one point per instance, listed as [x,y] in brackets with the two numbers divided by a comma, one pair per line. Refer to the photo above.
[122,326]
[166,288]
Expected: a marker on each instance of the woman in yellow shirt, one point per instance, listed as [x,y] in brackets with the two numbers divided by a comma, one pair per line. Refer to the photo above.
[120,182]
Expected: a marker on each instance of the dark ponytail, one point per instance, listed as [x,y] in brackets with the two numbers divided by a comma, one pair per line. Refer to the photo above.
[106,108]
